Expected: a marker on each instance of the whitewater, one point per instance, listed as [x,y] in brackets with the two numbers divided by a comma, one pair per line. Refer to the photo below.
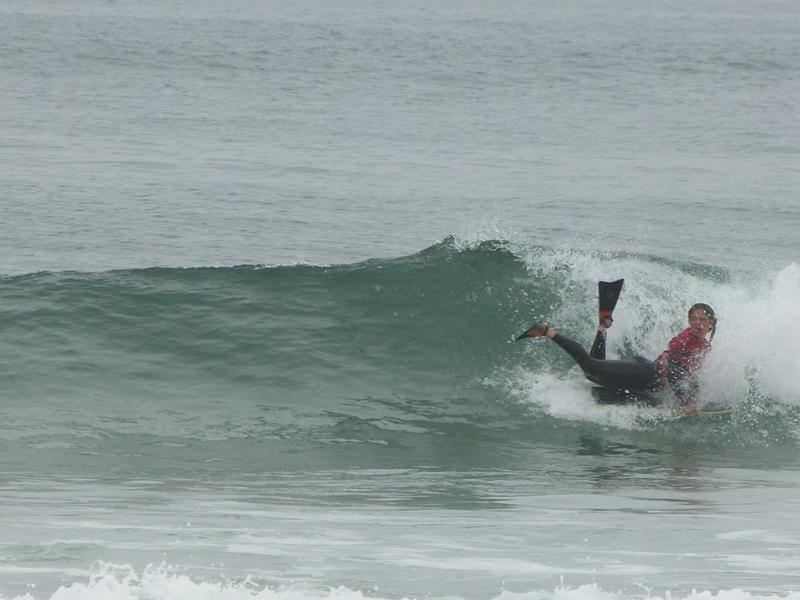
[262,266]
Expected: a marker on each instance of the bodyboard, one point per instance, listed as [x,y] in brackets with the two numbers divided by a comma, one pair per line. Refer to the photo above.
[710,412]
[606,397]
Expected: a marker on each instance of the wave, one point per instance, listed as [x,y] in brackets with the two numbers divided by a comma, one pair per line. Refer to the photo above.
[122,581]
[429,333]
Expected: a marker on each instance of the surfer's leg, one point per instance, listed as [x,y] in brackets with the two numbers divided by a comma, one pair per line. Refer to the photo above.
[636,374]
[598,350]
[615,374]
[578,353]
[607,295]
[684,384]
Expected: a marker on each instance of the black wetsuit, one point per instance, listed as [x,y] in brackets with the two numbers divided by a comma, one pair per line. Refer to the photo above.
[626,377]
[632,380]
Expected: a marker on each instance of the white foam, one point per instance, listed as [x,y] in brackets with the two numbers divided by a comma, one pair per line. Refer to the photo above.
[758,344]
[593,592]
[569,398]
[121,582]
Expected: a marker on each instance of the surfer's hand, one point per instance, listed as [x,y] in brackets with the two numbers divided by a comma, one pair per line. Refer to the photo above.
[689,409]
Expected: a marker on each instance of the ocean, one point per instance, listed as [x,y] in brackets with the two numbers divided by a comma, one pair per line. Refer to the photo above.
[262,264]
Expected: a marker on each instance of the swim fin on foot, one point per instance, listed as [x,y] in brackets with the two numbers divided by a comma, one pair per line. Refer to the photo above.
[607,295]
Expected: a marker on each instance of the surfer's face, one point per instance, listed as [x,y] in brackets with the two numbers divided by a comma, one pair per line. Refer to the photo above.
[699,322]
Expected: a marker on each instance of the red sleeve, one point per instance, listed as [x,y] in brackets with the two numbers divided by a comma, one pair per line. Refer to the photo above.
[688,350]
[679,342]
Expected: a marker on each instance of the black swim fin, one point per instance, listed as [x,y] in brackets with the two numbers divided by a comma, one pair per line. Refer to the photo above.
[607,295]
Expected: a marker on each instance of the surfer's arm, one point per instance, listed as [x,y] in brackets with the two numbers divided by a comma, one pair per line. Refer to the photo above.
[683,383]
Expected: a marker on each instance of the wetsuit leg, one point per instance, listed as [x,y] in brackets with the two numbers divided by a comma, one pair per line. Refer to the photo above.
[579,355]
[598,350]
[625,375]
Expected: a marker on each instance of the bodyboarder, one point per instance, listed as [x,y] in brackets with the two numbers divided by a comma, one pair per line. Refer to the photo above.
[630,380]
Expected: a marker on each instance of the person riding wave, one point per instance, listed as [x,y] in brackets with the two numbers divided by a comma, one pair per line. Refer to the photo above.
[685,354]
[675,367]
